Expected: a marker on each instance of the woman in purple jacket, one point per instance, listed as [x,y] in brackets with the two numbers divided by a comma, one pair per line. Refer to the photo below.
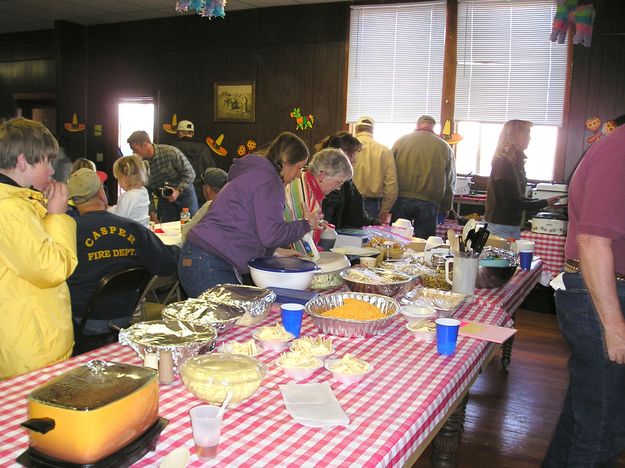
[246,219]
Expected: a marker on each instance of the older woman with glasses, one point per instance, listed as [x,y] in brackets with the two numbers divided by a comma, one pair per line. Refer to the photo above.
[328,170]
[344,208]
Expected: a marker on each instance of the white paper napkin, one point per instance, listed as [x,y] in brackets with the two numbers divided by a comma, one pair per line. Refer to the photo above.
[313,405]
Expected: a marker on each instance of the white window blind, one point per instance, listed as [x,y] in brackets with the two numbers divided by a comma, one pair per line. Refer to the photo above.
[396,61]
[507,67]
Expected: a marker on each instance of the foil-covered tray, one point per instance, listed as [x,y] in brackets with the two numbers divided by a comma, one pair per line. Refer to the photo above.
[203,312]
[255,301]
[182,339]
[377,281]
[445,302]
[347,327]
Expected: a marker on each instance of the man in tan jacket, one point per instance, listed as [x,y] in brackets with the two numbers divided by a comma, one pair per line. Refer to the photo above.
[374,172]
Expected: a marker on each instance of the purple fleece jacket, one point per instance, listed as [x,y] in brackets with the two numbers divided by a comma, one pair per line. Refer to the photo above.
[246,219]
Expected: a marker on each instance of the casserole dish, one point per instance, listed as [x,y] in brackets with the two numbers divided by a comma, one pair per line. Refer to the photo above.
[92,411]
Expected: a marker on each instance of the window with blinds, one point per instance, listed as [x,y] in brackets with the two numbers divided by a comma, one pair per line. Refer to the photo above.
[396,61]
[507,67]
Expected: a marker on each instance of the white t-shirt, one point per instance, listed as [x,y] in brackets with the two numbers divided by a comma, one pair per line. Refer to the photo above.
[133,204]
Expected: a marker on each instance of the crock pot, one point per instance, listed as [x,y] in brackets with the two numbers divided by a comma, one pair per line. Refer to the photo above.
[92,411]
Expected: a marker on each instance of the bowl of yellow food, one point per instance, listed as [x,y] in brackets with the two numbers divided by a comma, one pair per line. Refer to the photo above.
[352,313]
[299,365]
[348,369]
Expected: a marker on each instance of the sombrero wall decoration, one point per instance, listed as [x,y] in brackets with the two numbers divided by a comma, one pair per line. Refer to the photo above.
[74,126]
[171,127]
[247,148]
[450,138]
[215,145]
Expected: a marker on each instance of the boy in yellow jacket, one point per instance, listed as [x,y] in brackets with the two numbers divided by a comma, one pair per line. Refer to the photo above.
[37,251]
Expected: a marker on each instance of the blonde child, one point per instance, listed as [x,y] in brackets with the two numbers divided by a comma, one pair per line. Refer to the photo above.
[37,251]
[134,202]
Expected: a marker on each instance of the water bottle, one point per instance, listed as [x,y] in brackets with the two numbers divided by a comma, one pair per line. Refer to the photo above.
[185,216]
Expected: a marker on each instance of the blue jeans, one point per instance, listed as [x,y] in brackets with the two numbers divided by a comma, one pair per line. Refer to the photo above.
[101,327]
[505,231]
[591,430]
[199,270]
[372,207]
[422,213]
[171,211]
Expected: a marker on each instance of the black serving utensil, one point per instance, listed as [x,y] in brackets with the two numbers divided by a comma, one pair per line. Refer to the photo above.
[479,240]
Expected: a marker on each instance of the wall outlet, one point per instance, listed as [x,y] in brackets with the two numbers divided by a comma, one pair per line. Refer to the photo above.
[99,157]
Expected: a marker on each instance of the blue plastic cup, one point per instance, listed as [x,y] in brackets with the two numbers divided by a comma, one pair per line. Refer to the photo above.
[446,335]
[292,318]
[525,259]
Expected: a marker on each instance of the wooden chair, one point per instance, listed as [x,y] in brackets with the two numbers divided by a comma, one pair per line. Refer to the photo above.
[132,281]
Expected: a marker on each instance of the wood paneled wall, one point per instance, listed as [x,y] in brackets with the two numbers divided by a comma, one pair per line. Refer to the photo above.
[296,56]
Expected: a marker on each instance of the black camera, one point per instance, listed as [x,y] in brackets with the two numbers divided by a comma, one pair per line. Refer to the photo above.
[165,191]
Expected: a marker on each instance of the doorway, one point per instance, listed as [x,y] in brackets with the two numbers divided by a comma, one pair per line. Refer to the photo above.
[134,114]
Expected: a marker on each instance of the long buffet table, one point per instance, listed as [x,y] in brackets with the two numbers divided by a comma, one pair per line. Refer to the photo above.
[395,412]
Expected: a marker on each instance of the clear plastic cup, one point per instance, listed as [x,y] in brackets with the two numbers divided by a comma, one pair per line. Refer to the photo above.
[206,428]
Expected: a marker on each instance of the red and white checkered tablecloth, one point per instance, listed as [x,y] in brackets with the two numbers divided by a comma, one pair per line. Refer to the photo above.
[392,411]
[548,247]
[511,295]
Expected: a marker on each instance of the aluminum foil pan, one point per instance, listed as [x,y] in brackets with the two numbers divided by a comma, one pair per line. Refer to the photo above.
[182,339]
[203,312]
[346,327]
[445,302]
[255,301]
[377,281]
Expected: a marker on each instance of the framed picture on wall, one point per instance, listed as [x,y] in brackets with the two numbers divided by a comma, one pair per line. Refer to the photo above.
[235,101]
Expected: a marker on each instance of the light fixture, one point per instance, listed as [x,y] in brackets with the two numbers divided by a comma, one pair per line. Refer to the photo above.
[206,8]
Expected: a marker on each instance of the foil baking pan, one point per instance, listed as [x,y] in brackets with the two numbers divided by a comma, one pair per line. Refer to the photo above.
[446,303]
[203,312]
[182,339]
[347,327]
[255,301]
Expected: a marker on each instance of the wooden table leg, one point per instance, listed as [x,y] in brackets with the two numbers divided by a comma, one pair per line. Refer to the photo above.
[506,352]
[445,444]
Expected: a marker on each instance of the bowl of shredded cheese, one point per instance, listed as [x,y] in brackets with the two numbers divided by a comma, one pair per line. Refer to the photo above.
[352,314]
[423,330]
[318,346]
[246,348]
[274,338]
[299,364]
[348,369]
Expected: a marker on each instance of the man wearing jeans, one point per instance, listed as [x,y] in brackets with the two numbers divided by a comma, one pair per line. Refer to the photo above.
[426,175]
[591,430]
[171,176]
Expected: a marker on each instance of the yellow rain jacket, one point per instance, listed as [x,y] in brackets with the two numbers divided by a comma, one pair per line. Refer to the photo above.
[37,255]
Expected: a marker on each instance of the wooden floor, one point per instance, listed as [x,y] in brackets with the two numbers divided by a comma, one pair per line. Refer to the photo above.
[511,415]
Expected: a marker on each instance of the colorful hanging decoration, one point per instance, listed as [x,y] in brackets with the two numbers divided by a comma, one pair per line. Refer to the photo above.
[171,127]
[206,8]
[74,126]
[303,121]
[215,145]
[244,150]
[450,138]
[593,125]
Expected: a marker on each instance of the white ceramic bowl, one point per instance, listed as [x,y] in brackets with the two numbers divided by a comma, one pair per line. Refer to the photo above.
[416,313]
[346,378]
[421,335]
[299,373]
[273,345]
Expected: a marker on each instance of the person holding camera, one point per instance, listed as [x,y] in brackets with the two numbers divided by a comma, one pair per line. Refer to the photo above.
[171,176]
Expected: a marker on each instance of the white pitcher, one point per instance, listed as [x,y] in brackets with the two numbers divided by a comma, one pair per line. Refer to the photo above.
[464,273]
